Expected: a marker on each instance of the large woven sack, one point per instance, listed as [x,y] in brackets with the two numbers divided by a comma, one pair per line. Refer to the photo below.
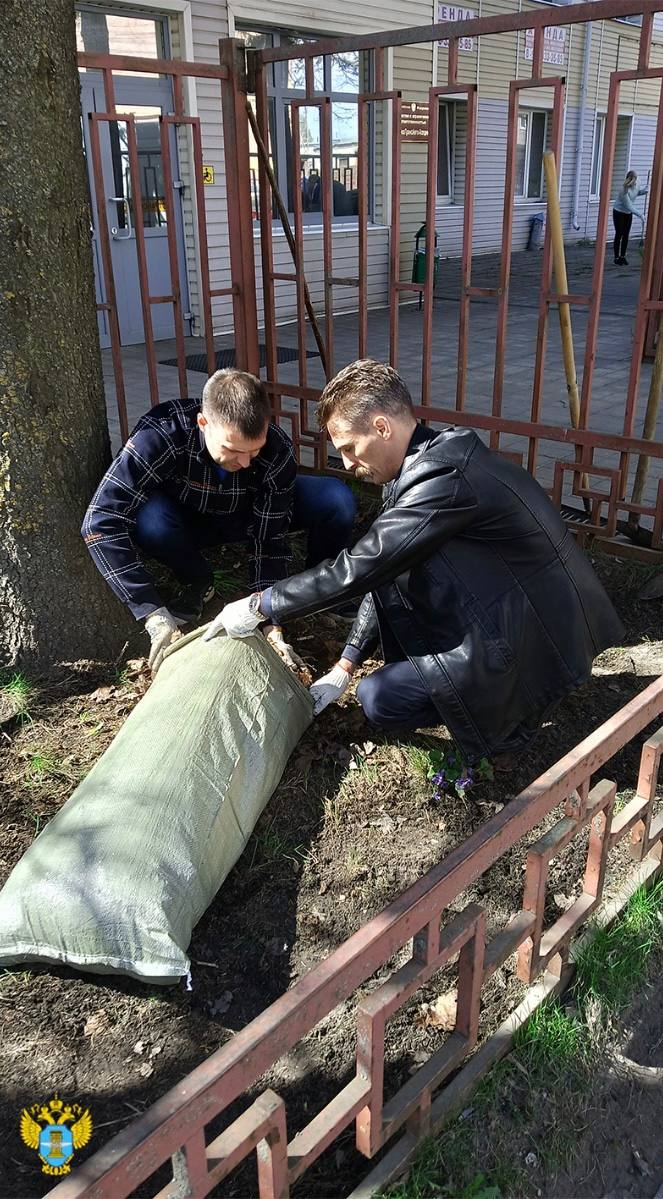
[120,876]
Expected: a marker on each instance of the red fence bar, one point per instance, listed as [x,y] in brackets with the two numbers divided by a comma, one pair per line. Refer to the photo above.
[546,274]
[143,275]
[299,244]
[431,197]
[466,253]
[266,239]
[591,337]
[176,67]
[646,278]
[362,223]
[110,305]
[572,14]
[238,193]
[505,260]
[165,125]
[395,228]
[203,250]
[327,239]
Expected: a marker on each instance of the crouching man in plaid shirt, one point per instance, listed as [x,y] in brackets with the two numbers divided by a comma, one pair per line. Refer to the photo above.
[196,474]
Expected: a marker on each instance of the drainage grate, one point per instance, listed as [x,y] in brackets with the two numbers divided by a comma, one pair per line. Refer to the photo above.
[226,358]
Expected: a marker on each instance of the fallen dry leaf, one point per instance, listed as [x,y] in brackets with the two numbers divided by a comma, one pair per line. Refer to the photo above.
[441,1013]
[102,694]
[96,1024]
[135,666]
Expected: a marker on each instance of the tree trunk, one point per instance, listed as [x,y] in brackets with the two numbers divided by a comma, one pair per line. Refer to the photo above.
[54,442]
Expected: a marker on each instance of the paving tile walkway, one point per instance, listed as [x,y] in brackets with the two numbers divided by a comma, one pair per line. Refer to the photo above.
[611,371]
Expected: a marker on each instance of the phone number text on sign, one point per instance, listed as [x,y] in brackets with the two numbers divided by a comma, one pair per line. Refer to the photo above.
[554,45]
[451,12]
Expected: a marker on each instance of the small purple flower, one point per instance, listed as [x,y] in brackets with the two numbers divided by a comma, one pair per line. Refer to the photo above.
[439,779]
[464,783]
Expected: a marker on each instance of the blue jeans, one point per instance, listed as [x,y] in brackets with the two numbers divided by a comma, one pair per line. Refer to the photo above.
[323,507]
[394,697]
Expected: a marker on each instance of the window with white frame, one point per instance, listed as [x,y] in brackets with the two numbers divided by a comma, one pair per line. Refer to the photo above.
[530,144]
[340,77]
[597,157]
[445,150]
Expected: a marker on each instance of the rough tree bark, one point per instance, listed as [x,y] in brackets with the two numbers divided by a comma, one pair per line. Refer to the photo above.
[54,442]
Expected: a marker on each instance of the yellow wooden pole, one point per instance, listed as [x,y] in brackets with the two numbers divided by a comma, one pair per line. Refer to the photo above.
[561,284]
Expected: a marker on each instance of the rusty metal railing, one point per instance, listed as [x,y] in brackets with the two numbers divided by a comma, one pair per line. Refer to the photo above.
[605,509]
[175,1127]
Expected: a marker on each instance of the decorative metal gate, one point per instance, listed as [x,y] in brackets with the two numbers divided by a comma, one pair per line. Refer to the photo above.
[604,508]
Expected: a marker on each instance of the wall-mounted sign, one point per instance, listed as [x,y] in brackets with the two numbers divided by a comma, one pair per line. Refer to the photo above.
[208,174]
[554,45]
[414,121]
[451,12]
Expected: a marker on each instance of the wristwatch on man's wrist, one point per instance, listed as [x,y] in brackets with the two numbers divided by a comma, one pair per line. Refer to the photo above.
[254,603]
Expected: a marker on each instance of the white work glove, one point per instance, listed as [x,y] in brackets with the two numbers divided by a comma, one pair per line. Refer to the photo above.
[162,628]
[237,619]
[285,652]
[329,688]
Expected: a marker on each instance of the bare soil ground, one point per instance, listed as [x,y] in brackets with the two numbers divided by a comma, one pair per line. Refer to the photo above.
[350,826]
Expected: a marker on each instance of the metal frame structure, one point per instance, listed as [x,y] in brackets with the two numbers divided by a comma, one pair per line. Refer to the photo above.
[175,1127]
[241,73]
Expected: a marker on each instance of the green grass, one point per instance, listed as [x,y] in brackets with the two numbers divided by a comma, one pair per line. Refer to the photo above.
[225,583]
[271,846]
[40,767]
[419,760]
[18,690]
[551,1042]
[612,966]
[424,1182]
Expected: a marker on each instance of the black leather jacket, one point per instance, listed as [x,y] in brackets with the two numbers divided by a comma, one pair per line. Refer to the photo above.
[471,573]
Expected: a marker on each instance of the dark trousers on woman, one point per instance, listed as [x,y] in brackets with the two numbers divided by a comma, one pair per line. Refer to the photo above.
[622,222]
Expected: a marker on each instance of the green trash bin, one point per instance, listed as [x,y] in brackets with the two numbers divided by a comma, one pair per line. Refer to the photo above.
[419,260]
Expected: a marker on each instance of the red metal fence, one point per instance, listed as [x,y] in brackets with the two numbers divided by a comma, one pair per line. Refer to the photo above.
[604,509]
[175,1127]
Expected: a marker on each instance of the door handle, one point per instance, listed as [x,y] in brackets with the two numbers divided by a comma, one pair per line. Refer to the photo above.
[114,231]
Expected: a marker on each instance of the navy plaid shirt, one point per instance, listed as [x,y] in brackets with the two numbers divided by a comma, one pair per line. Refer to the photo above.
[166,452]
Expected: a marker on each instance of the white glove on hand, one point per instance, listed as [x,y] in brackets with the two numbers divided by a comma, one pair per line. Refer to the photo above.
[162,628]
[329,688]
[285,652]
[237,619]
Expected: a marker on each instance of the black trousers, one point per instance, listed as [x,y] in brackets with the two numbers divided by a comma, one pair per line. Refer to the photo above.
[394,697]
[622,222]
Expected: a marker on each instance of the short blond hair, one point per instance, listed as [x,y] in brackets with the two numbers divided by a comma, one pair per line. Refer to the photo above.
[362,389]
[239,399]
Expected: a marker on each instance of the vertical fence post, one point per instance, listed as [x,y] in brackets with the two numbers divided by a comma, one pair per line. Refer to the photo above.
[238,196]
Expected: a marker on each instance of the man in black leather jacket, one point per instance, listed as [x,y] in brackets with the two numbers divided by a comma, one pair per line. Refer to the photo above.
[486,611]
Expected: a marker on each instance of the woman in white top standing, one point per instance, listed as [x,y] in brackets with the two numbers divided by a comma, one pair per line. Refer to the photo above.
[622,214]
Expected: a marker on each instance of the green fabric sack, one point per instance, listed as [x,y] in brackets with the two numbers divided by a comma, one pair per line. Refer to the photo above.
[117,880]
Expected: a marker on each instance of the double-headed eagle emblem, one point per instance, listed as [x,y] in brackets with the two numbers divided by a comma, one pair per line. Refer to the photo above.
[56,1130]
